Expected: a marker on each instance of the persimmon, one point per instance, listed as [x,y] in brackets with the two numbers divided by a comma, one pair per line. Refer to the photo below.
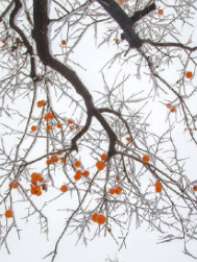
[64,188]
[36,190]
[63,44]
[98,218]
[160,12]
[112,191]
[49,116]
[189,75]
[158,186]
[49,162]
[85,173]
[70,122]
[101,219]
[52,160]
[146,159]
[36,178]
[41,103]
[104,157]
[14,184]
[195,188]
[173,109]
[94,217]
[49,128]
[77,164]
[34,128]
[77,175]
[100,165]
[9,213]
[118,190]
[64,161]
[59,125]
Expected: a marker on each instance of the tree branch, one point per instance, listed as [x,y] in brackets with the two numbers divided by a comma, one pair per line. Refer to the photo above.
[40,34]
[116,12]
[13,15]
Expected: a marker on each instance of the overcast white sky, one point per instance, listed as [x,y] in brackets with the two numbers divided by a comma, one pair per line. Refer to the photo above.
[141,243]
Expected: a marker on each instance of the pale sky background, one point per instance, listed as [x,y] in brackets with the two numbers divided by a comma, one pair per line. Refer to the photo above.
[141,243]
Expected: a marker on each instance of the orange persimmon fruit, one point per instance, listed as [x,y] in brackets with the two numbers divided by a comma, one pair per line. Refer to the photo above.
[158,186]
[49,116]
[98,218]
[146,159]
[64,188]
[9,213]
[63,44]
[41,103]
[104,157]
[34,128]
[101,219]
[52,160]
[94,217]
[49,128]
[77,164]
[195,188]
[36,178]
[112,191]
[173,109]
[160,12]
[49,162]
[59,125]
[118,190]
[77,175]
[188,74]
[14,184]
[64,161]
[36,190]
[100,165]
[85,173]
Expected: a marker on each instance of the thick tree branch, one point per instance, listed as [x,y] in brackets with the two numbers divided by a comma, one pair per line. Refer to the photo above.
[126,22]
[40,34]
[13,15]
[141,13]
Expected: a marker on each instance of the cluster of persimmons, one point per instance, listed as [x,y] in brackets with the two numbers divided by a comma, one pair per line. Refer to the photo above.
[38,183]
[49,117]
